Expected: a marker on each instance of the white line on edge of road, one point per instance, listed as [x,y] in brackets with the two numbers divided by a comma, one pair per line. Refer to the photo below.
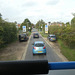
[63,58]
[24,54]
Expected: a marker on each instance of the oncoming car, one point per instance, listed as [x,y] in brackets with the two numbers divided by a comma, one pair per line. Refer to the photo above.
[39,48]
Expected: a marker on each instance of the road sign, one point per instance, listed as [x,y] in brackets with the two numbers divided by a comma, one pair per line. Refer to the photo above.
[46,28]
[24,28]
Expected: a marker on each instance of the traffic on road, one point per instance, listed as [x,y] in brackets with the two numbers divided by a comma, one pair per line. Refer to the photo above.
[37,37]
[51,56]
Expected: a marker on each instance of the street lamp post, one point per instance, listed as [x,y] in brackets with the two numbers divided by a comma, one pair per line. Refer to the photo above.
[27,25]
[39,26]
[29,28]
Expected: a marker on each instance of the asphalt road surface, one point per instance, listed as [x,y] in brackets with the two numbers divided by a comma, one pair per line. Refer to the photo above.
[51,56]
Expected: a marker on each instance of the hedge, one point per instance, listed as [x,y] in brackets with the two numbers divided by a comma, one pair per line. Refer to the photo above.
[66,34]
[8,33]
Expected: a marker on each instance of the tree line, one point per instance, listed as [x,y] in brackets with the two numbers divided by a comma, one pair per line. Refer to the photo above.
[28,25]
[65,33]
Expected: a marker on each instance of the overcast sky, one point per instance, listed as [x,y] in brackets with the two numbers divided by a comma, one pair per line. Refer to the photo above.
[34,10]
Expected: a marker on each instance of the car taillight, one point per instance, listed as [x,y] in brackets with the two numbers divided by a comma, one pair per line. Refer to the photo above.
[44,47]
[34,47]
[50,38]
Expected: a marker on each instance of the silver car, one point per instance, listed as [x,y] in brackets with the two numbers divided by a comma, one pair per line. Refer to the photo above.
[52,37]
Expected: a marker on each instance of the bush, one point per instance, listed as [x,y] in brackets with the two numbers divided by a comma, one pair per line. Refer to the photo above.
[8,33]
[66,34]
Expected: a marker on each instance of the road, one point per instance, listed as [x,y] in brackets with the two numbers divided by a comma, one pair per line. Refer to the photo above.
[51,56]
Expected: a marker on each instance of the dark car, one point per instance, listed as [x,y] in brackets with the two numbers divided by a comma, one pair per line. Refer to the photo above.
[23,37]
[52,37]
[35,35]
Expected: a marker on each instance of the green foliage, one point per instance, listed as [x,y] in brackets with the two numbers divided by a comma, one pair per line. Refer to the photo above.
[67,52]
[67,23]
[73,22]
[64,33]
[8,32]
[40,23]
[26,23]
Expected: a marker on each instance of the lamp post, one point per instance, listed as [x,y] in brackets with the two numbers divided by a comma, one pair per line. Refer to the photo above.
[39,26]
[29,28]
[27,25]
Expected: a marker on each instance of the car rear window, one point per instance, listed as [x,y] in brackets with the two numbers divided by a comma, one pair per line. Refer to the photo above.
[53,36]
[35,34]
[39,45]
[23,35]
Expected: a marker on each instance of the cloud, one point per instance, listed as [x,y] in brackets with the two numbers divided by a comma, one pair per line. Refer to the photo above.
[29,4]
[53,2]
[48,10]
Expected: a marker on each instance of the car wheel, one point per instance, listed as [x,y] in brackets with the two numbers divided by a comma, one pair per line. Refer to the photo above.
[19,40]
[33,54]
[44,53]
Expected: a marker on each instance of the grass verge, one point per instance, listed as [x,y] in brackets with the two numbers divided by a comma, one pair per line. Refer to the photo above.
[66,51]
[29,33]
[43,34]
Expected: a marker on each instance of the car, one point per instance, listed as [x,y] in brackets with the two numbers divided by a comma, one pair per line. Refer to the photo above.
[35,35]
[52,37]
[39,48]
[23,37]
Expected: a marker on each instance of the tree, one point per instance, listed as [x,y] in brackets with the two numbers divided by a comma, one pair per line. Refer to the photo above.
[67,24]
[15,22]
[73,21]
[73,14]
[40,23]
[8,32]
[27,23]
[33,25]
[0,15]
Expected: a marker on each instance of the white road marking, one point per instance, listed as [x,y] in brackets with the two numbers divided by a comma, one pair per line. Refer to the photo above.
[24,54]
[59,54]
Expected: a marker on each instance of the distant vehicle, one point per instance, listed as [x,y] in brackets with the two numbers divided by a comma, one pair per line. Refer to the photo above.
[52,37]
[39,48]
[35,35]
[23,37]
